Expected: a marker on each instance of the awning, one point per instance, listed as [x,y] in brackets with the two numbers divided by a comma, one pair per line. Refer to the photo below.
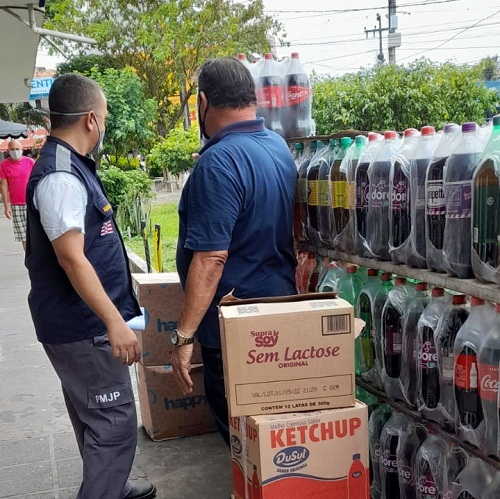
[19,48]
[35,140]
[9,130]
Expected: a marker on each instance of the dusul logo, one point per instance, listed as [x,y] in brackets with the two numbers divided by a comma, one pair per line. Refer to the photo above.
[265,338]
[291,456]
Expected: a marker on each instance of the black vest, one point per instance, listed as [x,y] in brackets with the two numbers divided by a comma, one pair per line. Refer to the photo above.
[59,314]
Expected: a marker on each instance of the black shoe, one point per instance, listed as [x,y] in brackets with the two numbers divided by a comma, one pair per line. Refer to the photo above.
[144,490]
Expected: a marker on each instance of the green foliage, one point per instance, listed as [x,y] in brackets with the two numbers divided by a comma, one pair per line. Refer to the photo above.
[130,114]
[166,216]
[174,152]
[24,113]
[165,41]
[124,164]
[397,97]
[489,68]
[85,63]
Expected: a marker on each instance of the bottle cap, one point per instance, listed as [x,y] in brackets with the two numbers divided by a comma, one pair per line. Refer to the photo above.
[268,56]
[400,281]
[497,308]
[356,456]
[373,136]
[437,292]
[360,140]
[319,144]
[345,141]
[372,272]
[450,128]
[390,134]
[242,57]
[332,265]
[351,269]
[410,131]
[332,142]
[386,276]
[299,146]
[459,300]
[468,127]
[295,55]
[421,286]
[427,130]
[314,144]
[475,301]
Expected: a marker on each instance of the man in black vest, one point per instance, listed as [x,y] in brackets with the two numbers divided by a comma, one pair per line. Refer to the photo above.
[81,294]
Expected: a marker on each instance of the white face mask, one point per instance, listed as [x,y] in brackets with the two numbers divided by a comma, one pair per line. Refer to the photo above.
[15,154]
[100,143]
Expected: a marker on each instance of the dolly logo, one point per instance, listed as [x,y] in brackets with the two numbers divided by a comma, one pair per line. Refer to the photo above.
[236,446]
[291,456]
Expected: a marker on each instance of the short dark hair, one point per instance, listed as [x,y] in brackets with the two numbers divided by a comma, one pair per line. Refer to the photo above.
[72,93]
[227,83]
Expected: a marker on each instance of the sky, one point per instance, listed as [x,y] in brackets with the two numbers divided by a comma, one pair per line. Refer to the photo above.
[330,34]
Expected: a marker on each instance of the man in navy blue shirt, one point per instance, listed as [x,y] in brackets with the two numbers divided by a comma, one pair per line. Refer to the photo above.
[236,217]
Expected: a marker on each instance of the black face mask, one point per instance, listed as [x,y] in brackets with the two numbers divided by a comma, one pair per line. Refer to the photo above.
[201,122]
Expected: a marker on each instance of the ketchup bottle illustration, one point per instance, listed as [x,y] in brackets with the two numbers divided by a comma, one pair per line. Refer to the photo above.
[357,481]
[256,489]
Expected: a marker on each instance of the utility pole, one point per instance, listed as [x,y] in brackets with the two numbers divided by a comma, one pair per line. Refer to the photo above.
[393,24]
[379,30]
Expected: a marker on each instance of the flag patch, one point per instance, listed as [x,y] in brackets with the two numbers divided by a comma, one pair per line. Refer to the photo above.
[107,228]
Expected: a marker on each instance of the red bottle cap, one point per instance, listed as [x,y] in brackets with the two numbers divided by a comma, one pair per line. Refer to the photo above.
[351,269]
[410,131]
[437,292]
[386,276]
[400,281]
[427,130]
[372,272]
[497,308]
[373,136]
[390,134]
[295,55]
[421,286]
[475,301]
[459,300]
[242,57]
[268,56]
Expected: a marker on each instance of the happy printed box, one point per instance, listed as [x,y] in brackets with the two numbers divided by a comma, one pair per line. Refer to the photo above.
[313,455]
[287,354]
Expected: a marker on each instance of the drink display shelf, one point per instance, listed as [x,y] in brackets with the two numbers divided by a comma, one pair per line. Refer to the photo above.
[469,287]
[433,426]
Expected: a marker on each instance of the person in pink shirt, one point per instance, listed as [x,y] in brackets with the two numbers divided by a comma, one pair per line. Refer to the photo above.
[14,174]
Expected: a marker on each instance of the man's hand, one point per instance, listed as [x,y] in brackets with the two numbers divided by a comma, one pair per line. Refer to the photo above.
[181,364]
[8,212]
[125,344]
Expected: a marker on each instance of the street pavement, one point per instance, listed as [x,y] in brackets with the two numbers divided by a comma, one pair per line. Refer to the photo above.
[39,458]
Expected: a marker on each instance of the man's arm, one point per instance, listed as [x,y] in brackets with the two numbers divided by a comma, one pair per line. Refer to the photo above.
[4,191]
[69,251]
[204,274]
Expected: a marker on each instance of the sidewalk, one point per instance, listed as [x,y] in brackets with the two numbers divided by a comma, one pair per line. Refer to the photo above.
[39,457]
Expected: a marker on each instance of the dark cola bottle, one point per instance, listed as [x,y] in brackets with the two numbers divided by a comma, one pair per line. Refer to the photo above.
[302,193]
[270,95]
[298,100]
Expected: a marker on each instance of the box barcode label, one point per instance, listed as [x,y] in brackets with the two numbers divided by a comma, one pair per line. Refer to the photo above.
[337,324]
[249,309]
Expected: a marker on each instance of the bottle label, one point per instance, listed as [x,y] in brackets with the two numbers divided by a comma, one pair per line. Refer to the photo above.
[459,198]
[313,195]
[427,356]
[296,94]
[352,195]
[324,195]
[379,195]
[488,381]
[436,203]
[447,371]
[362,192]
[465,365]
[389,462]
[427,486]
[270,97]
[399,196]
[302,190]
[340,194]
[406,475]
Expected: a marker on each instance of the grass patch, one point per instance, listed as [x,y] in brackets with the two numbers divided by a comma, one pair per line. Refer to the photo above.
[166,216]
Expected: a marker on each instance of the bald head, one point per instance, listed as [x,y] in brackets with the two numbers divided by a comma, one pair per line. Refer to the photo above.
[15,150]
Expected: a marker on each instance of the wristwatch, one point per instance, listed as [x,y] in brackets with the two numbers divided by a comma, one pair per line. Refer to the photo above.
[178,339]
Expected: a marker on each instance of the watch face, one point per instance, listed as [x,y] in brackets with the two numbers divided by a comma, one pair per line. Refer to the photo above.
[174,338]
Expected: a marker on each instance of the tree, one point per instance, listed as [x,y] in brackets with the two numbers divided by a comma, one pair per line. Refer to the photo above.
[24,113]
[397,97]
[85,63]
[130,114]
[166,41]
[489,68]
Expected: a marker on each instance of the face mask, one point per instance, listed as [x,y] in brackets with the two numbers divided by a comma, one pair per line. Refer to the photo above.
[201,122]
[98,147]
[15,154]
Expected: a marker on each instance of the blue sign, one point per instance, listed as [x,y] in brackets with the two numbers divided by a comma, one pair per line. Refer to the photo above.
[40,88]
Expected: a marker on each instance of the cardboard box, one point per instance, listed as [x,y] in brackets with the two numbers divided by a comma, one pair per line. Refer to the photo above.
[166,412]
[320,454]
[288,354]
[161,295]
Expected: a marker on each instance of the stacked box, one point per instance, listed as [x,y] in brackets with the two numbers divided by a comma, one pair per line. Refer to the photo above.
[165,411]
[283,356]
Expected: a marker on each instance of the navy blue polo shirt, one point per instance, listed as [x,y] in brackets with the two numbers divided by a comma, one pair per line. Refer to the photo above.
[239,197]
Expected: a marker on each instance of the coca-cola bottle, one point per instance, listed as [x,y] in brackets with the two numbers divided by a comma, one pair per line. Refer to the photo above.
[412,437]
[488,363]
[410,353]
[269,91]
[426,347]
[434,198]
[452,319]
[466,382]
[298,100]
[243,59]
[303,193]
[377,229]
[362,186]
[399,188]
[378,418]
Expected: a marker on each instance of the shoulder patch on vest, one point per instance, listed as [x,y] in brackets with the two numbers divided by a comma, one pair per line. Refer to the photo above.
[63,159]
